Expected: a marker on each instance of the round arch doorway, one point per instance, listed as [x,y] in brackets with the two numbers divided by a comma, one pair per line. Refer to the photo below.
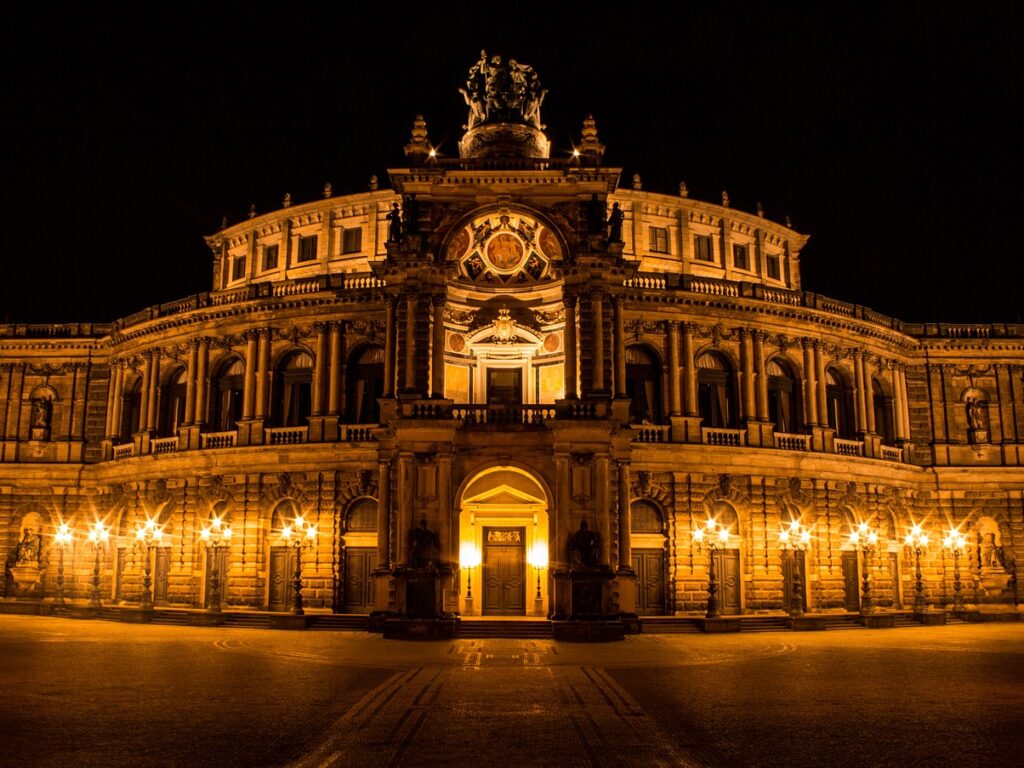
[503,537]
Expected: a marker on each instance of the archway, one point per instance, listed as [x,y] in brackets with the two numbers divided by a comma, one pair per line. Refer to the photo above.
[503,528]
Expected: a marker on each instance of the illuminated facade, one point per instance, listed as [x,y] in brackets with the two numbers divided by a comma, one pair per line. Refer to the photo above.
[521,346]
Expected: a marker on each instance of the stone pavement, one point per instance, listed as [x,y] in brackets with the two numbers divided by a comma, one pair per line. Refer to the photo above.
[97,693]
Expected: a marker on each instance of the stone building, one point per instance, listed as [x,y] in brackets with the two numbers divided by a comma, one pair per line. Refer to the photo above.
[495,350]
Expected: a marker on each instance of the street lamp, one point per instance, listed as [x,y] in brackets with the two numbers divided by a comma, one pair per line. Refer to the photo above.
[917,539]
[299,535]
[539,561]
[62,537]
[469,558]
[713,536]
[956,543]
[217,537]
[865,538]
[795,538]
[148,535]
[98,537]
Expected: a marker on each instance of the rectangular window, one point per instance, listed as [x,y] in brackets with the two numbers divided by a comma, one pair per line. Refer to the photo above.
[352,240]
[238,268]
[772,267]
[659,239]
[740,256]
[270,257]
[702,249]
[307,248]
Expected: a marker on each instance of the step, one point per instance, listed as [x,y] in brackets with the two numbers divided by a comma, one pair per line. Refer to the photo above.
[341,622]
[246,621]
[764,624]
[176,618]
[522,630]
[669,626]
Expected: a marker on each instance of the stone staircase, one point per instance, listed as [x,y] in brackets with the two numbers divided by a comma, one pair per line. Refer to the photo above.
[500,628]
[666,625]
[764,624]
[170,617]
[843,621]
[340,622]
[247,620]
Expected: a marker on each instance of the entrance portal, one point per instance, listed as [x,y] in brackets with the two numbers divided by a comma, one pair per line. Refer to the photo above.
[504,572]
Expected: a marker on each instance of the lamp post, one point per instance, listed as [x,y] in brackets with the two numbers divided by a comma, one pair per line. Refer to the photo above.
[148,535]
[539,561]
[98,537]
[917,540]
[865,538]
[956,543]
[713,536]
[469,558]
[299,535]
[62,537]
[793,539]
[216,537]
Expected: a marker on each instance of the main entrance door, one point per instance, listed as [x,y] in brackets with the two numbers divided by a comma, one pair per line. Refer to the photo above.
[216,560]
[282,570]
[727,565]
[504,572]
[650,582]
[161,572]
[359,565]
[851,581]
[787,571]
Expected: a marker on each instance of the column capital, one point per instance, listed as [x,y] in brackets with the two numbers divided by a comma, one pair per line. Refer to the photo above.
[320,326]
[672,325]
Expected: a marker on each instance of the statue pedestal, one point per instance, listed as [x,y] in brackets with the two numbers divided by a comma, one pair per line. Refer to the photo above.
[26,576]
[591,594]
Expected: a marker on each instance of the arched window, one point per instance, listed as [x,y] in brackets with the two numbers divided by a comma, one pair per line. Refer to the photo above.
[643,386]
[228,388]
[839,404]
[716,391]
[783,409]
[172,403]
[131,408]
[645,518]
[293,388]
[362,516]
[881,403]
[365,385]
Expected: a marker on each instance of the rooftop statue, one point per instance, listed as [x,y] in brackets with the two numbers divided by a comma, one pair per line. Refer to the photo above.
[502,92]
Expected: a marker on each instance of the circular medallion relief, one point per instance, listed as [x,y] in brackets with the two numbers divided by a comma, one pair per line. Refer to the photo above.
[456,343]
[551,342]
[504,252]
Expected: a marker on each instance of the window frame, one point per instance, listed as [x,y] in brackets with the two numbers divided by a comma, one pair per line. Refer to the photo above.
[698,239]
[657,239]
[306,253]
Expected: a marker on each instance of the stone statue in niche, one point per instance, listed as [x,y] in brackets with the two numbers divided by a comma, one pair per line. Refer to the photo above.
[29,548]
[424,547]
[585,548]
[394,224]
[991,554]
[977,420]
[615,224]
[41,418]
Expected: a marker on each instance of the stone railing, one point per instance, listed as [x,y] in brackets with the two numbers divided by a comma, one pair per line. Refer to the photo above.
[849,447]
[888,453]
[163,445]
[124,451]
[645,281]
[356,433]
[652,433]
[354,281]
[715,436]
[300,286]
[218,439]
[714,287]
[791,442]
[530,414]
[55,330]
[285,435]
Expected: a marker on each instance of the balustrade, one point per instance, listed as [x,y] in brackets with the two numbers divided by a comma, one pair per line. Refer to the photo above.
[791,442]
[731,437]
[849,447]
[286,435]
[163,445]
[218,439]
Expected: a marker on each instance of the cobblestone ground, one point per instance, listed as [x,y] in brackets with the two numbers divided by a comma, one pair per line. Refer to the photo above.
[99,693]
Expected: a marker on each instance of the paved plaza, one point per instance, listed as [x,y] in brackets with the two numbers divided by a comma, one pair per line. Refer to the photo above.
[100,693]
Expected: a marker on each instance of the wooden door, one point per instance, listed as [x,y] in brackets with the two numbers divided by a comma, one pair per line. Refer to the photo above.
[851,580]
[282,572]
[122,554]
[360,563]
[161,572]
[894,579]
[727,567]
[649,566]
[217,558]
[504,572]
[787,572]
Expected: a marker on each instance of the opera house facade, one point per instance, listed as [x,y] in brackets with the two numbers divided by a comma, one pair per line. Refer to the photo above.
[511,383]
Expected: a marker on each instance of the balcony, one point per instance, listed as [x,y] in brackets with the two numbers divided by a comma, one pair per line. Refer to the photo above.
[163,445]
[731,437]
[525,415]
[285,435]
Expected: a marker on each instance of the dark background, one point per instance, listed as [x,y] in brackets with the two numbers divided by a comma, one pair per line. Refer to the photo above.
[891,136]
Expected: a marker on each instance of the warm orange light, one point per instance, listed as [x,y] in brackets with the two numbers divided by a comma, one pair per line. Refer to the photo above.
[539,555]
[469,555]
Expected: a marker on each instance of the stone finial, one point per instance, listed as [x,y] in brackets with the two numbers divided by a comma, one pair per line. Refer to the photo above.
[373,183]
[252,210]
[789,222]
[725,199]
[637,184]
[419,145]
[590,146]
[287,202]
[760,210]
[224,222]
[684,191]
[327,189]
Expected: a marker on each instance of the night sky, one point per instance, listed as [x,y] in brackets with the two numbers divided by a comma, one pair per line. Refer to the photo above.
[887,135]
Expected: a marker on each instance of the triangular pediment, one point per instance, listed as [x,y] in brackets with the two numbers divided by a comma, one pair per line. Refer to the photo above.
[503,496]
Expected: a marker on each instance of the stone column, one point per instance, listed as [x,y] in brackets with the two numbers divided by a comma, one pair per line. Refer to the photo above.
[116,398]
[201,366]
[318,369]
[248,394]
[869,396]
[906,402]
[437,348]
[675,404]
[597,311]
[144,392]
[897,402]
[690,402]
[762,378]
[747,374]
[620,348]
[602,481]
[383,519]
[625,519]
[858,393]
[809,385]
[410,341]
[334,377]
[819,370]
[571,374]
[445,525]
[406,489]
[154,389]
[263,375]
[190,381]
[389,346]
